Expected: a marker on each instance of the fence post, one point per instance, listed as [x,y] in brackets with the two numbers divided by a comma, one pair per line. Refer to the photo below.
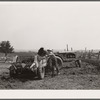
[98,56]
[89,55]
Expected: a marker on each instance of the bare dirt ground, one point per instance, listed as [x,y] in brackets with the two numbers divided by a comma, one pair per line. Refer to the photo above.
[86,77]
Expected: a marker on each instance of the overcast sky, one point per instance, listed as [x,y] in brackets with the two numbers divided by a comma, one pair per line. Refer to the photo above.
[31,25]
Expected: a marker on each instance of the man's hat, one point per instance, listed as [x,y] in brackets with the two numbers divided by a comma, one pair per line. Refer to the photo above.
[49,50]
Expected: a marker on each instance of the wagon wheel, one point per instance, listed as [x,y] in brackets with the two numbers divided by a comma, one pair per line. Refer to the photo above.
[41,72]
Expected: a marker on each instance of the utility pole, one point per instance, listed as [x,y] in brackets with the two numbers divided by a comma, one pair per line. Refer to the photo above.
[85,49]
[85,52]
[67,47]
[71,49]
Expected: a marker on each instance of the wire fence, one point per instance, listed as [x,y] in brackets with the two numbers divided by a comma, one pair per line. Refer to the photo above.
[91,58]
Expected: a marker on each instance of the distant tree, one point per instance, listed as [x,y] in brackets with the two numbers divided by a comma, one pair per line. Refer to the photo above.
[5,47]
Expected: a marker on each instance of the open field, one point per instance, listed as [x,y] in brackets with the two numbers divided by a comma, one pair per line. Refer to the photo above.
[86,77]
[21,55]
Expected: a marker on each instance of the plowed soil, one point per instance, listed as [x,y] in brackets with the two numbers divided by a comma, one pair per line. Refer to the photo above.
[70,77]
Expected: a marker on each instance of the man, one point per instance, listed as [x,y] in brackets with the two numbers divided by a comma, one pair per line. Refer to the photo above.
[41,52]
[53,62]
[39,59]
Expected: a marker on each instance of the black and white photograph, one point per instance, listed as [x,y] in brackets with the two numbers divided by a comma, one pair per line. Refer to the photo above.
[50,45]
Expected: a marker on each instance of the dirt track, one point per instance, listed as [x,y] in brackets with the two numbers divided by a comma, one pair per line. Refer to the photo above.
[86,77]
